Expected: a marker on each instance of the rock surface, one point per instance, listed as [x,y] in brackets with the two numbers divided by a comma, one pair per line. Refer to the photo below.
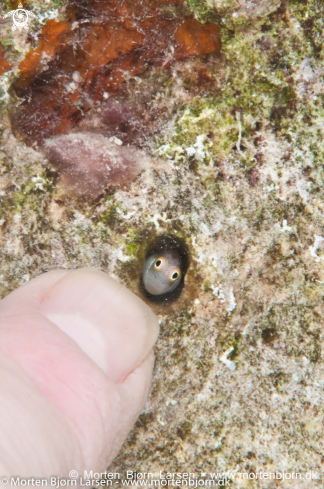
[238,11]
[79,61]
[238,174]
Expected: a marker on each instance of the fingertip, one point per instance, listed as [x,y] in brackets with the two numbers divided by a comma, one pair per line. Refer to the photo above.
[113,326]
[30,295]
[133,392]
[71,323]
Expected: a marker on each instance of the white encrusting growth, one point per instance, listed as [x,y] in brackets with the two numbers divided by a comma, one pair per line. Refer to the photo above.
[198,149]
[218,292]
[155,219]
[5,82]
[229,364]
[39,183]
[285,226]
[316,245]
[232,303]
[120,255]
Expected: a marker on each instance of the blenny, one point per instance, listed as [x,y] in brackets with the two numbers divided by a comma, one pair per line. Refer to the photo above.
[162,272]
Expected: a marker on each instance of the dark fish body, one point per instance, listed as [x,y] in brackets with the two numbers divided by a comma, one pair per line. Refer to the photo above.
[162,272]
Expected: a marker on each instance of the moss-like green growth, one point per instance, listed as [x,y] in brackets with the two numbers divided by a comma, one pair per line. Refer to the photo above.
[28,196]
[256,89]
[202,10]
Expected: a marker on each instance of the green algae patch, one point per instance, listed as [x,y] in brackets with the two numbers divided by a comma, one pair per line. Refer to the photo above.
[202,10]
[253,86]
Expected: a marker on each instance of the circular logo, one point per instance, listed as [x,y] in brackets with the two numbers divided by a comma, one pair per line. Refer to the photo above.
[20,18]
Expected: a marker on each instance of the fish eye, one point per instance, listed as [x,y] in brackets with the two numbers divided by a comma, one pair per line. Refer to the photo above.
[175,275]
[158,263]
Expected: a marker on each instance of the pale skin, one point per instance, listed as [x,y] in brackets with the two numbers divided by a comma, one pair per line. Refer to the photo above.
[76,362]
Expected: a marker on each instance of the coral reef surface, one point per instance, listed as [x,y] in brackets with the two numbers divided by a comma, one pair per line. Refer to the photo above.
[235,141]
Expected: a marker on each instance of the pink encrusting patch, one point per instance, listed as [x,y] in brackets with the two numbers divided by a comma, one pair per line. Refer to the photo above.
[88,163]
